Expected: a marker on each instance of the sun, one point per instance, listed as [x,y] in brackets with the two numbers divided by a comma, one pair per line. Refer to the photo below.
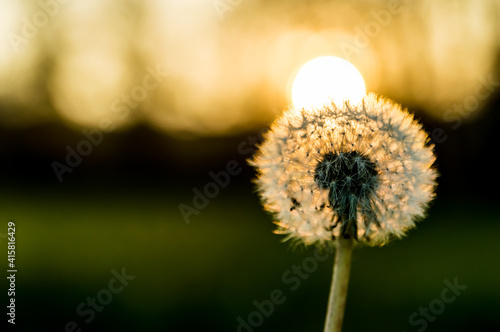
[327,79]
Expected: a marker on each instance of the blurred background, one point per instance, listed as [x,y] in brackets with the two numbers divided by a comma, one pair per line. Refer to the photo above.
[114,115]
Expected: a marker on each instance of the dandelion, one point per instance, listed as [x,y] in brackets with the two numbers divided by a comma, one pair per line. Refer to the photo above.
[353,171]
[346,174]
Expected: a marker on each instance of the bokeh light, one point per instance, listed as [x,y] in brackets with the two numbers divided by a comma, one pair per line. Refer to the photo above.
[232,73]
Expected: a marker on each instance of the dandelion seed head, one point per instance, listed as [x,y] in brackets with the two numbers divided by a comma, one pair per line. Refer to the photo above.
[359,171]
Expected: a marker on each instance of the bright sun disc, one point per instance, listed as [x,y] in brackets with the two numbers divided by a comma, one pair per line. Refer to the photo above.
[326,79]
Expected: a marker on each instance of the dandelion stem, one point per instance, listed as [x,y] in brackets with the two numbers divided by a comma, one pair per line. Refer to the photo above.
[340,283]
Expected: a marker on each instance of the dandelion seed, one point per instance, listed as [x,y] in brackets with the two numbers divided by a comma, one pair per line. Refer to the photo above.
[361,172]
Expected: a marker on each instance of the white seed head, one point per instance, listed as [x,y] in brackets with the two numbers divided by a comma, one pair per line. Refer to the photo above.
[354,171]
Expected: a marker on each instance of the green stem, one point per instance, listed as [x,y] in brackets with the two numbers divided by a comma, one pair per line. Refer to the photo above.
[340,283]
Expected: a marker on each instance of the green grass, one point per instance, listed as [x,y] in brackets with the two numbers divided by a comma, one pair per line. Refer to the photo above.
[202,276]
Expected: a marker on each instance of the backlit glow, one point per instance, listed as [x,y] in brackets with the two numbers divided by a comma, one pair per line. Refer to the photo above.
[326,79]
